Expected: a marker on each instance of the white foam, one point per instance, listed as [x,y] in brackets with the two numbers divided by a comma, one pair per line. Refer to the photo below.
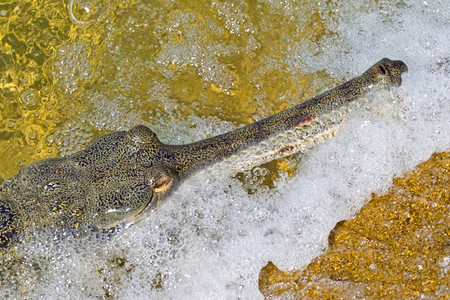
[211,238]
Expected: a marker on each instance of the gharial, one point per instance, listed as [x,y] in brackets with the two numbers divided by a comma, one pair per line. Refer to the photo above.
[120,177]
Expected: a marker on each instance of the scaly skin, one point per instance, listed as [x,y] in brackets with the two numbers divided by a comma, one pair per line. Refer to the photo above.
[121,176]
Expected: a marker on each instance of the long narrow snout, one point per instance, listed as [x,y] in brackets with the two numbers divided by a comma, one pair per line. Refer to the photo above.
[382,75]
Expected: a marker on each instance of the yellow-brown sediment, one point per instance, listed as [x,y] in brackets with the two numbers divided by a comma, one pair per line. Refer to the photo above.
[395,246]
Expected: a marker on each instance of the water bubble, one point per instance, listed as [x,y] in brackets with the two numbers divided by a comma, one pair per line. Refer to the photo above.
[32,135]
[29,97]
[50,140]
[87,11]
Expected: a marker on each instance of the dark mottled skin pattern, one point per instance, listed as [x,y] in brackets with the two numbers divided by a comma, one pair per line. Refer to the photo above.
[121,175]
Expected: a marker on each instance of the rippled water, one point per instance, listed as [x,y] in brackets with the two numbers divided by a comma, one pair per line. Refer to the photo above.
[192,69]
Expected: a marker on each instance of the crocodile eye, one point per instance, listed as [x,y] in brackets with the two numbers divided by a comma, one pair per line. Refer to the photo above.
[163,184]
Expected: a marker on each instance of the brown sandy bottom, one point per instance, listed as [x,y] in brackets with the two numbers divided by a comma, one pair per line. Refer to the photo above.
[397,246]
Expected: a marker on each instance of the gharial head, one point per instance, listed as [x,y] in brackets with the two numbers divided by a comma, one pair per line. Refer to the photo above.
[143,175]
[386,72]
[116,179]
